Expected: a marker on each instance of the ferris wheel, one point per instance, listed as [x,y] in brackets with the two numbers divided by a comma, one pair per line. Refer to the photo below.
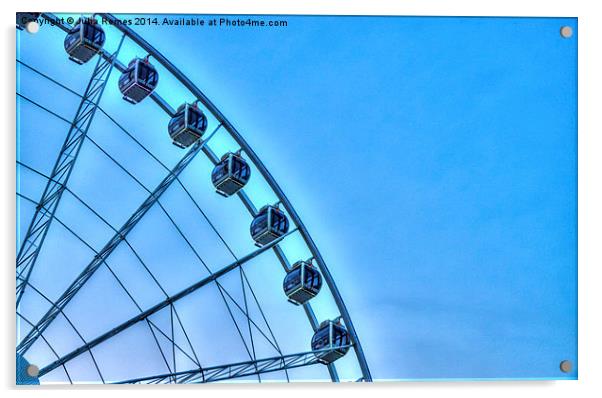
[105,293]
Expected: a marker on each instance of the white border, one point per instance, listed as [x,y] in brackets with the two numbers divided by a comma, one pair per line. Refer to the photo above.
[590,196]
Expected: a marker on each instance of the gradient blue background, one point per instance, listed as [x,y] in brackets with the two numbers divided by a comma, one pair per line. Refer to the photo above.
[433,160]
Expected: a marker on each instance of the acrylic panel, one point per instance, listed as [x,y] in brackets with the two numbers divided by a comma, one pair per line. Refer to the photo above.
[273,198]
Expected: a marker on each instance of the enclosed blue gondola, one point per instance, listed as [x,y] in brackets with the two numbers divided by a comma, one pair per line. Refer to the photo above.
[302,282]
[187,126]
[269,224]
[231,174]
[138,80]
[84,41]
[331,340]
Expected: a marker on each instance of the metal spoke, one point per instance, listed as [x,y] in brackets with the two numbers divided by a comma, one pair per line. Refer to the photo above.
[244,294]
[163,304]
[159,346]
[173,338]
[144,265]
[45,76]
[221,289]
[150,323]
[273,344]
[110,246]
[101,109]
[87,206]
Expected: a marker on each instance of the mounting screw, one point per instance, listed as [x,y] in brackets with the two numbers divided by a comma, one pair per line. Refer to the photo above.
[32,27]
[33,371]
[566,32]
[566,366]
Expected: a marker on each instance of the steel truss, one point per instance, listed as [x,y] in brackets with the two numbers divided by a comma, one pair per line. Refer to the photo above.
[46,207]
[231,371]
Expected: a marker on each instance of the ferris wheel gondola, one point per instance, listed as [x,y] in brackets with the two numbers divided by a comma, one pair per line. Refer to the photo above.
[231,174]
[302,282]
[269,224]
[331,341]
[187,126]
[138,81]
[84,40]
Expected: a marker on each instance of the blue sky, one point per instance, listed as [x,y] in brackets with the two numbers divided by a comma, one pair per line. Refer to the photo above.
[433,160]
